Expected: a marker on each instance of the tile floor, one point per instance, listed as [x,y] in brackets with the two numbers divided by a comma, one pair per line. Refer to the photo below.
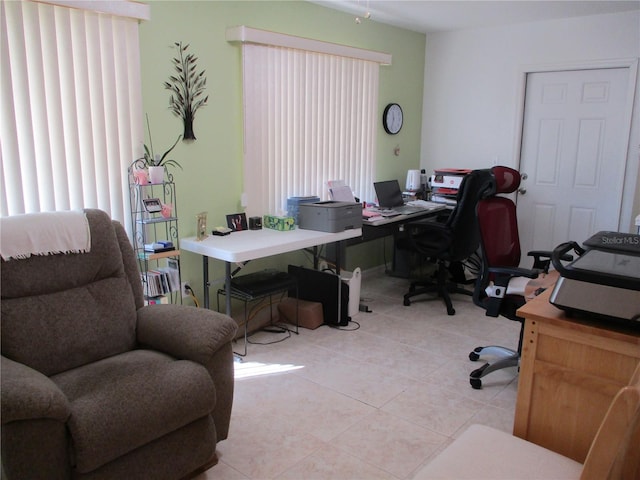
[375,402]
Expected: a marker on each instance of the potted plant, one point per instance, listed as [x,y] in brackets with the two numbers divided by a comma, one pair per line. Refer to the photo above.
[156,163]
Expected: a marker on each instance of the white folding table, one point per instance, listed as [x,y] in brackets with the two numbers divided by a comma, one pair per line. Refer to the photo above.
[246,245]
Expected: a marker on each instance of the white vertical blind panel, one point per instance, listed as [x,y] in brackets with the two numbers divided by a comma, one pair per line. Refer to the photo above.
[80,70]
[129,111]
[309,118]
[38,46]
[20,175]
[11,199]
[56,178]
[69,98]
[71,109]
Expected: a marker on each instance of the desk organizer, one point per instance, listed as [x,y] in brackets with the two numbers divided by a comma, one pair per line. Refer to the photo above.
[279,223]
[293,205]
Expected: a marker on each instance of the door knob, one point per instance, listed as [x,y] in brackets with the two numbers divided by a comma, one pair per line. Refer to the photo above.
[524,176]
[522,191]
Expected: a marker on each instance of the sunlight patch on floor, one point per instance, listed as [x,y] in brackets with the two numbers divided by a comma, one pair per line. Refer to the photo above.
[255,369]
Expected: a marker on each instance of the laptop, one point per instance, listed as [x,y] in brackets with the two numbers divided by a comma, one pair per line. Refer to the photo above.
[390,198]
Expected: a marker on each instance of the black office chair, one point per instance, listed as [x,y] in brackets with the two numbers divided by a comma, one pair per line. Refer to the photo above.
[500,254]
[448,241]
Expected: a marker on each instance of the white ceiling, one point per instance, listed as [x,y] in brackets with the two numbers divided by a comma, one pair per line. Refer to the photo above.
[441,15]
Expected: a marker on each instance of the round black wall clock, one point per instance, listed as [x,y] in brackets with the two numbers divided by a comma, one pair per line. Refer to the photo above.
[392,118]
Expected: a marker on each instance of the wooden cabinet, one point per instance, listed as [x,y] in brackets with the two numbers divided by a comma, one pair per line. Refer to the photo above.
[570,371]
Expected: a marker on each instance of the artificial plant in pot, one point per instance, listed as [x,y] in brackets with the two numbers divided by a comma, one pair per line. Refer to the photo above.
[156,163]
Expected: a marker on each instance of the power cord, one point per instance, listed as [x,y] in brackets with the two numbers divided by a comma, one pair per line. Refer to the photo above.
[192,295]
[347,329]
[271,328]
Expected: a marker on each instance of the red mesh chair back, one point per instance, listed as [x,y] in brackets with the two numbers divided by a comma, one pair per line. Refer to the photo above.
[498,222]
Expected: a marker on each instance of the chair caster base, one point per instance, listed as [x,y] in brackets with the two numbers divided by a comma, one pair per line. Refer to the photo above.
[474,377]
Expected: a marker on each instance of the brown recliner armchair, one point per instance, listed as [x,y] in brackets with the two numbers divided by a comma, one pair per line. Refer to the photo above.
[95,385]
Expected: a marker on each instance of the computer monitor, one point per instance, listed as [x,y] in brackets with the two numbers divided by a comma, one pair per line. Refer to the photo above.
[388,193]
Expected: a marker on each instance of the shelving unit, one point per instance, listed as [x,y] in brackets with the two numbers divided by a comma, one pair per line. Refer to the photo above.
[159,270]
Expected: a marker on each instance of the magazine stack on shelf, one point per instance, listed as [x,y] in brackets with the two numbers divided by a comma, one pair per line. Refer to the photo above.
[161,281]
[445,183]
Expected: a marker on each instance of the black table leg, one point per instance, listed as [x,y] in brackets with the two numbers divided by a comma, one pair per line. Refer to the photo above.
[205,279]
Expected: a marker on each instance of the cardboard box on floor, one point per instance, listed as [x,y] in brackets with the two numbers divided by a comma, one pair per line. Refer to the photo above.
[310,314]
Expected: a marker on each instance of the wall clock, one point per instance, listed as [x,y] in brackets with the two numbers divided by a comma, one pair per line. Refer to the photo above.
[392,118]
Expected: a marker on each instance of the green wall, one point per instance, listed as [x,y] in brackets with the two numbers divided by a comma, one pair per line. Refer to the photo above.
[211,179]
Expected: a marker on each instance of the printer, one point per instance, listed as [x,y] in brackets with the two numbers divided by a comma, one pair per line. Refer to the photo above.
[604,281]
[330,216]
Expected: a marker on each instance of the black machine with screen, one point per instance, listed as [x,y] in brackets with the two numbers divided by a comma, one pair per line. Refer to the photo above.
[604,281]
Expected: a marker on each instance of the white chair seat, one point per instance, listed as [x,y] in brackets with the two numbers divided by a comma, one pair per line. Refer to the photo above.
[483,452]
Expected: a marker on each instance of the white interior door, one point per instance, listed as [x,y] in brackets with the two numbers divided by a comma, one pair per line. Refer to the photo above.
[573,155]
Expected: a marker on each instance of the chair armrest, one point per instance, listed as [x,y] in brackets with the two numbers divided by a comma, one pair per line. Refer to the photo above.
[493,304]
[184,332]
[540,253]
[200,335]
[504,274]
[28,394]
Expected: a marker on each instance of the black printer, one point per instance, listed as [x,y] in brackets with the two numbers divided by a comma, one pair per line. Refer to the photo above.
[604,281]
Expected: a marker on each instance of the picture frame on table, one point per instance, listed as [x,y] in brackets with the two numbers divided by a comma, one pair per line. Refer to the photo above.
[152,205]
[201,226]
[237,221]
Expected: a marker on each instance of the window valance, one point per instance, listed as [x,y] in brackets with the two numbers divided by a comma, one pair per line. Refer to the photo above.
[120,8]
[244,34]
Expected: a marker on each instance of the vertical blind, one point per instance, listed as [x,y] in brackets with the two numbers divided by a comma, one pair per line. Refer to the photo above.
[71,109]
[308,118]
